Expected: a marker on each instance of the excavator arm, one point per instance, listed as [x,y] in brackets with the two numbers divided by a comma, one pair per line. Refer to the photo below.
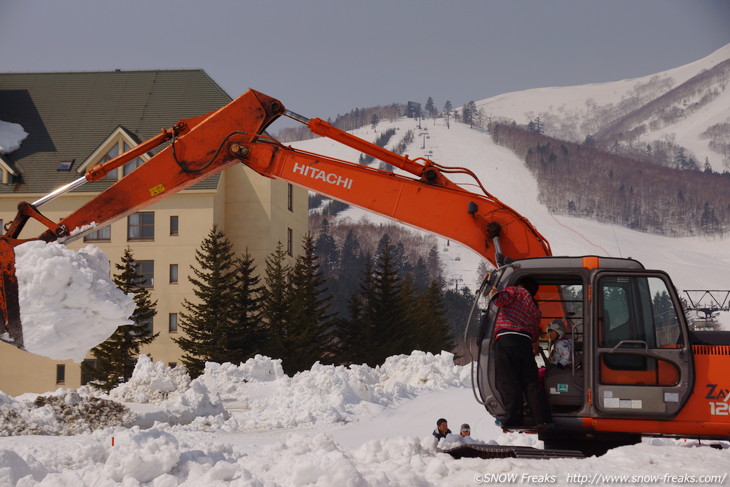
[200,147]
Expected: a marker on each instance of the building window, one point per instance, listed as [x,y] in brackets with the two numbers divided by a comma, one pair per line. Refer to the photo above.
[118,142]
[173,273]
[290,197]
[65,165]
[172,323]
[113,152]
[172,365]
[148,326]
[146,268]
[173,225]
[289,242]
[131,165]
[141,226]
[86,378]
[60,373]
[104,234]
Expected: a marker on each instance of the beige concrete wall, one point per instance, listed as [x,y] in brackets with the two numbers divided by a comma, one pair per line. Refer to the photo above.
[259,206]
[250,209]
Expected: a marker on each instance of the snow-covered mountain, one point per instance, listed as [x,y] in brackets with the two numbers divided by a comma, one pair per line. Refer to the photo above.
[681,105]
[693,262]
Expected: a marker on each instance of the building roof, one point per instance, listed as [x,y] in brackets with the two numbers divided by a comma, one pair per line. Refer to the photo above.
[68,116]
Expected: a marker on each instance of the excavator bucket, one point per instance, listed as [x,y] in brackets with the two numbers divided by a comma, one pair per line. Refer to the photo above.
[11,330]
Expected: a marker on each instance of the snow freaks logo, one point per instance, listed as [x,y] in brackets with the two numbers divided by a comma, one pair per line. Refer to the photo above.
[514,478]
[327,177]
[719,400]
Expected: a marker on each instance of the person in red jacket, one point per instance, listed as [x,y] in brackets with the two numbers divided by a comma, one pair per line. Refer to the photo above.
[516,335]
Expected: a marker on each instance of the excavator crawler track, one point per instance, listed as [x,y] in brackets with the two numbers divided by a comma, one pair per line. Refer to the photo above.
[505,451]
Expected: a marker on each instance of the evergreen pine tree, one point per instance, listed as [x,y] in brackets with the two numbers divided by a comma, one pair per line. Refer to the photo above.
[352,343]
[401,260]
[275,308]
[326,251]
[434,333]
[430,108]
[351,266]
[355,337]
[247,337]
[385,310]
[448,107]
[458,306]
[117,356]
[434,266]
[207,323]
[308,338]
[469,113]
[374,121]
[406,334]
[420,275]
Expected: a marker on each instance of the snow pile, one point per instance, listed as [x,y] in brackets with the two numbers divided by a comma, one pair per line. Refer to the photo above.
[64,412]
[177,399]
[151,383]
[11,135]
[68,304]
[142,456]
[227,379]
[185,408]
[257,395]
[403,376]
[260,396]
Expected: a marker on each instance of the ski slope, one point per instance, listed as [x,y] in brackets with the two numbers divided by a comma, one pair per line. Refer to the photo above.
[692,262]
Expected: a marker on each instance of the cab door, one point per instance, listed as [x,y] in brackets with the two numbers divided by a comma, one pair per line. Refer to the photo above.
[642,358]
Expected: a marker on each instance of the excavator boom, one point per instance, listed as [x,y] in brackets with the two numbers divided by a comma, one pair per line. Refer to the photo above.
[202,146]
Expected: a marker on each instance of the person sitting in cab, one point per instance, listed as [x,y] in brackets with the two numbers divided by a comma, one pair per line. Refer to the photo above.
[560,348]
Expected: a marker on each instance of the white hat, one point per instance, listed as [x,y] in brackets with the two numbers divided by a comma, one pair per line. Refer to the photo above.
[557,325]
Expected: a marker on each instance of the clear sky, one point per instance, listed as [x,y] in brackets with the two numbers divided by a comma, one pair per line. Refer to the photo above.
[325,57]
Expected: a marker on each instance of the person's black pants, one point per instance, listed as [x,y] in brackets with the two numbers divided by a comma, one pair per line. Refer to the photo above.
[516,376]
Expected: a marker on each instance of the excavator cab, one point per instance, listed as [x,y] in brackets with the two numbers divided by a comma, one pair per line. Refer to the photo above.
[631,358]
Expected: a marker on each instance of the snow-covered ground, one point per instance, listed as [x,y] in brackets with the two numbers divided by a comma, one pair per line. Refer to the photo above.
[330,426]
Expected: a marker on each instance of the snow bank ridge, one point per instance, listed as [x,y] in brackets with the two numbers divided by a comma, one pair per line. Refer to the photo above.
[251,396]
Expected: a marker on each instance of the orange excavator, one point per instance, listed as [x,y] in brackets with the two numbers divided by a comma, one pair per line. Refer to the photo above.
[636,368]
